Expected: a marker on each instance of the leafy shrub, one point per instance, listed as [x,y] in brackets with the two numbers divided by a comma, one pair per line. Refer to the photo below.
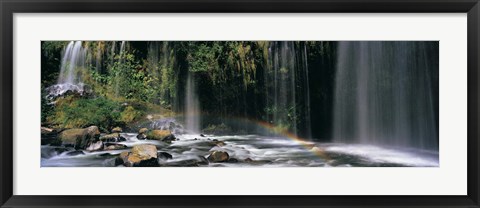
[79,113]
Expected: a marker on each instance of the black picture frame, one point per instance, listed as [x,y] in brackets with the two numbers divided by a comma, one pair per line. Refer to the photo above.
[10,7]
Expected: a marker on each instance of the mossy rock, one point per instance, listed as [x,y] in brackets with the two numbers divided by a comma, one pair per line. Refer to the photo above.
[117,130]
[142,131]
[161,135]
[79,138]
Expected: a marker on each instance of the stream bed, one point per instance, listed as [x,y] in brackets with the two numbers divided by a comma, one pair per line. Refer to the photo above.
[191,150]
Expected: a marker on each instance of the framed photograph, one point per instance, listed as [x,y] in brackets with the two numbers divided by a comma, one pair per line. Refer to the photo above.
[269,103]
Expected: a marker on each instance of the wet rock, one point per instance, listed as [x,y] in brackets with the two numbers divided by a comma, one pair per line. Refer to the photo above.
[183,163]
[144,155]
[45,130]
[161,135]
[232,160]
[114,137]
[164,156]
[202,160]
[95,146]
[145,151]
[202,135]
[257,162]
[79,138]
[117,130]
[110,146]
[143,131]
[169,138]
[218,156]
[141,136]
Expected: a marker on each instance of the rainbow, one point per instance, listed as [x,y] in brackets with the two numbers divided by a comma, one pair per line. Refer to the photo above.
[318,151]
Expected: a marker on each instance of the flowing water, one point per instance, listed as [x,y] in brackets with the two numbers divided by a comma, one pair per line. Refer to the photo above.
[287,89]
[265,151]
[70,77]
[192,106]
[385,94]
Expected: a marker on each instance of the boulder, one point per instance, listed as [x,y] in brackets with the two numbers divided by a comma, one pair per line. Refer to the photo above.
[143,131]
[144,155]
[110,146]
[114,137]
[117,130]
[95,146]
[79,138]
[218,156]
[161,135]
[141,136]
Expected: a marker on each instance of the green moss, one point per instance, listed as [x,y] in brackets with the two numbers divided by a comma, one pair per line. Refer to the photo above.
[79,113]
[129,114]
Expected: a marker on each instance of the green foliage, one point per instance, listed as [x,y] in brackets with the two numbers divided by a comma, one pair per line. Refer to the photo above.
[71,112]
[129,114]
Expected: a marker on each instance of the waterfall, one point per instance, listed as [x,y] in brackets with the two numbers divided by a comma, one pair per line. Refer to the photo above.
[386,93]
[72,61]
[288,96]
[121,69]
[70,78]
[192,106]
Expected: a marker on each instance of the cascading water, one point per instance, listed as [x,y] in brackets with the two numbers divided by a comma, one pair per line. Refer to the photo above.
[192,106]
[386,93]
[120,73]
[70,77]
[73,59]
[287,86]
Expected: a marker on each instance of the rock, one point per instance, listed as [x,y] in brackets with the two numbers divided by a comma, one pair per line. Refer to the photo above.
[144,155]
[202,135]
[143,131]
[218,156]
[202,160]
[114,137]
[164,156]
[117,130]
[169,138]
[161,135]
[96,146]
[232,160]
[257,162]
[49,136]
[79,138]
[45,130]
[110,146]
[145,151]
[141,136]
